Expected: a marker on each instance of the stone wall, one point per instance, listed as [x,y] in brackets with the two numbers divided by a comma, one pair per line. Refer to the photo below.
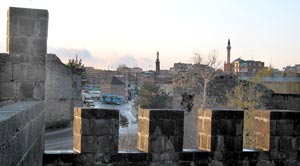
[59,92]
[284,86]
[22,71]
[164,140]
[22,134]
[284,101]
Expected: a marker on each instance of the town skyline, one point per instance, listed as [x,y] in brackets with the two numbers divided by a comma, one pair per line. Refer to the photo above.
[106,34]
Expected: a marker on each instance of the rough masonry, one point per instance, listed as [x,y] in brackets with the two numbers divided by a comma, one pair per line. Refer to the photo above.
[22,71]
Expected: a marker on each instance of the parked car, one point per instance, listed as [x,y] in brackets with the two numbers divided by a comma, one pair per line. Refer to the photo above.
[87,99]
[112,99]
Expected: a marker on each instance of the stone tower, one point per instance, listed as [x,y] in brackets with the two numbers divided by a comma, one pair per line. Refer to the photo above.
[157,62]
[228,52]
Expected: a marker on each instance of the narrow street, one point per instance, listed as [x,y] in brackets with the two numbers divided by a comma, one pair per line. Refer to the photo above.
[62,139]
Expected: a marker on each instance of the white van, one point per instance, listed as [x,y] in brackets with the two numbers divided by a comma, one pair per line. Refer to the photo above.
[95,94]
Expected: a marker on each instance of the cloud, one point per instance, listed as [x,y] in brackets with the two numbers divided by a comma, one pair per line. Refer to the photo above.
[111,61]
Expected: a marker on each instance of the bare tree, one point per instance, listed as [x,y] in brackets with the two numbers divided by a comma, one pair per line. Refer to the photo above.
[208,70]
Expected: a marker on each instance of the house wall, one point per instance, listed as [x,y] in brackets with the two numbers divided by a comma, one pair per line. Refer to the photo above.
[60,90]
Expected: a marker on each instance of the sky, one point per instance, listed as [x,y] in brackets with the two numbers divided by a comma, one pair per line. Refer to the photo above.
[106,33]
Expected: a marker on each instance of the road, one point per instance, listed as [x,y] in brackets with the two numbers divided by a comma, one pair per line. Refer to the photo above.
[62,139]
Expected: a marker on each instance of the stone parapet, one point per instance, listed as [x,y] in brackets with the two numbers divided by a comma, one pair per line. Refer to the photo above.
[96,134]
[224,127]
[22,134]
[220,130]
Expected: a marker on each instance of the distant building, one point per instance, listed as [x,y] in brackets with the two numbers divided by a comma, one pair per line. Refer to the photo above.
[292,70]
[97,77]
[115,87]
[242,67]
[246,68]
[178,67]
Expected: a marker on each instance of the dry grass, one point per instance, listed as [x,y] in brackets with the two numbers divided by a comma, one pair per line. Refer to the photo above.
[248,135]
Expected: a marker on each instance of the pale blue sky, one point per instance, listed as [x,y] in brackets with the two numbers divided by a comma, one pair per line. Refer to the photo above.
[107,33]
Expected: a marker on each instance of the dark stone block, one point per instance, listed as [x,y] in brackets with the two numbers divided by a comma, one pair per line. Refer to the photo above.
[227,114]
[203,156]
[92,113]
[25,12]
[27,90]
[202,163]
[56,158]
[43,27]
[118,157]
[7,90]
[185,163]
[285,127]
[177,142]
[38,47]
[297,127]
[232,155]
[274,143]
[28,26]
[284,114]
[137,157]
[18,45]
[285,143]
[167,126]
[249,156]
[186,156]
[225,127]
[273,127]
[166,114]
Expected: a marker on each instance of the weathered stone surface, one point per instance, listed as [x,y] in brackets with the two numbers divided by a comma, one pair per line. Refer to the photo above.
[160,130]
[18,45]
[24,71]
[59,91]
[7,90]
[95,131]
[22,133]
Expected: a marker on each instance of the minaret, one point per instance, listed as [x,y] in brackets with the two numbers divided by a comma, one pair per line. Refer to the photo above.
[157,62]
[76,61]
[228,51]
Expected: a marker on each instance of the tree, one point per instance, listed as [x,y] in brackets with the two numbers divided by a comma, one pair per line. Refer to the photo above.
[152,96]
[245,95]
[207,68]
[124,121]
[265,72]
[121,68]
[76,66]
